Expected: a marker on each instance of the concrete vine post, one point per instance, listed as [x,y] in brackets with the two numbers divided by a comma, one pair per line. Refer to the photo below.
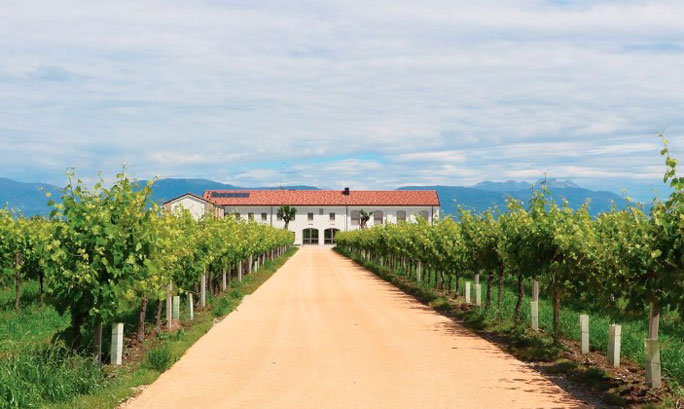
[584,333]
[117,343]
[614,338]
[203,289]
[191,307]
[652,348]
[534,306]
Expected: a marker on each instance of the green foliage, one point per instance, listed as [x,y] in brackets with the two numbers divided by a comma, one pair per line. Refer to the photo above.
[159,358]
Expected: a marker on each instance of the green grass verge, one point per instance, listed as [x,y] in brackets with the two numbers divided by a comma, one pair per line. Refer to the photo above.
[36,374]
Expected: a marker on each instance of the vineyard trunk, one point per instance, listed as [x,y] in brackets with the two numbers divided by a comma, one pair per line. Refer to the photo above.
[556,316]
[141,319]
[97,343]
[499,300]
[490,280]
[518,304]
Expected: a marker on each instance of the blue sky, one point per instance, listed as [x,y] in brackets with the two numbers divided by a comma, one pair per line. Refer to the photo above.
[367,94]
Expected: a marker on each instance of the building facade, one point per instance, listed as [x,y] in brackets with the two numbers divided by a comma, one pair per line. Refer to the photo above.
[320,213]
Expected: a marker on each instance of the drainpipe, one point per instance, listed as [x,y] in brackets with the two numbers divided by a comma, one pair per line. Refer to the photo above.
[270,216]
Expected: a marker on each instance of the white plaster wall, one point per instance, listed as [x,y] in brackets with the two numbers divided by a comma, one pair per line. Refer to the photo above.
[321,222]
[195,206]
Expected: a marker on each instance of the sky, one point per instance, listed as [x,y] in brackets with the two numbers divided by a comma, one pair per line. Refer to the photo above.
[365,94]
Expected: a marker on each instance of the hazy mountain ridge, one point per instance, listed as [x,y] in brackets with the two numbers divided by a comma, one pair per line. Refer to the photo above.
[493,195]
[29,199]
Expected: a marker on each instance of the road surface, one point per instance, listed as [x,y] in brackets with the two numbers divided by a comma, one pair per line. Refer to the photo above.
[326,333]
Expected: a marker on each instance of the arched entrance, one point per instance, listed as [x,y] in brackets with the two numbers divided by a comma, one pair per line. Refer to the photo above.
[329,235]
[310,236]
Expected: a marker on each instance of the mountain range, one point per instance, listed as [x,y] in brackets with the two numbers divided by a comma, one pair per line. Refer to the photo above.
[30,198]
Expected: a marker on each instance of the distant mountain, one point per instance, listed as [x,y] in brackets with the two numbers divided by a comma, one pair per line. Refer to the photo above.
[508,186]
[486,195]
[28,198]
[513,186]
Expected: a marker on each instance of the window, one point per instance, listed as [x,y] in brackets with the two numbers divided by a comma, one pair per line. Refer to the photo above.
[237,215]
[264,217]
[279,217]
[250,216]
[355,218]
[229,194]
[377,217]
[309,216]
[320,212]
[425,215]
[332,216]
[401,216]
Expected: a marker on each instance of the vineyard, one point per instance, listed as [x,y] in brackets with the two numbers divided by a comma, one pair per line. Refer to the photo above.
[622,267]
[110,258]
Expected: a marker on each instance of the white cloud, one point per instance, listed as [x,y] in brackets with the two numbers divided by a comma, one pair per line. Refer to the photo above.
[435,92]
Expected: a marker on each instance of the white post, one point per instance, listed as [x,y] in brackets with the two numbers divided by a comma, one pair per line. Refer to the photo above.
[478,294]
[203,289]
[224,283]
[614,336]
[176,307]
[239,270]
[249,265]
[117,343]
[584,329]
[419,271]
[652,350]
[191,307]
[168,306]
[534,306]
[534,315]
[467,292]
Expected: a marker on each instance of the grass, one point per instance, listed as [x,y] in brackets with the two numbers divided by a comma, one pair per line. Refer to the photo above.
[44,373]
[35,373]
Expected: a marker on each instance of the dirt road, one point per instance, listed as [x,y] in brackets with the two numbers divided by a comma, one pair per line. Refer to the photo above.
[325,333]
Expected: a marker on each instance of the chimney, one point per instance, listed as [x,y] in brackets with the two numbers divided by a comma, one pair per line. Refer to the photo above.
[346,191]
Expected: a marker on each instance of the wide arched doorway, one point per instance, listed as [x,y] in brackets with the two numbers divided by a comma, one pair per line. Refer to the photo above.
[329,235]
[310,236]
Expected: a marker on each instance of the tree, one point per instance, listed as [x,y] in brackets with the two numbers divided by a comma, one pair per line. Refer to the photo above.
[364,217]
[287,213]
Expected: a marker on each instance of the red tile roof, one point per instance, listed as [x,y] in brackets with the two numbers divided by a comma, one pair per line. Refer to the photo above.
[326,198]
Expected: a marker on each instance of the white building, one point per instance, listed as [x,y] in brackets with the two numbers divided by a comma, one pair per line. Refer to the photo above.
[320,213]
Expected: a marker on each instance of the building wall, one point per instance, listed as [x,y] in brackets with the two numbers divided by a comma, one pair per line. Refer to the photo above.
[195,206]
[321,217]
